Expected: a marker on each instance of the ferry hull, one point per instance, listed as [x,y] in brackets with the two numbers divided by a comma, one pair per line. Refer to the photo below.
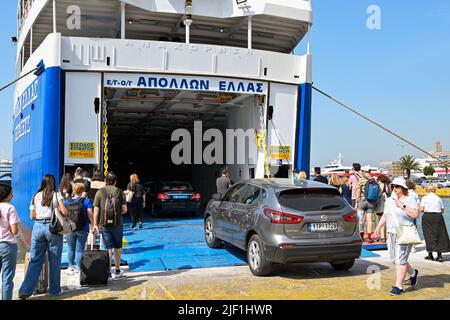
[37,142]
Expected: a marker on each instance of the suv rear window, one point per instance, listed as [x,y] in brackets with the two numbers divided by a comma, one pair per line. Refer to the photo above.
[312,199]
[176,186]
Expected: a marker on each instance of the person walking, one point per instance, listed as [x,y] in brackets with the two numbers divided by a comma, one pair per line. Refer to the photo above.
[43,241]
[405,209]
[98,182]
[335,181]
[64,184]
[319,177]
[76,240]
[385,187]
[345,190]
[412,192]
[367,195]
[109,206]
[223,182]
[433,225]
[9,228]
[79,178]
[136,205]
[353,181]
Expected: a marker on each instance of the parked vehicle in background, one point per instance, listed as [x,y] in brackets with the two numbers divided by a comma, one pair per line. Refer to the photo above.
[438,183]
[167,197]
[276,221]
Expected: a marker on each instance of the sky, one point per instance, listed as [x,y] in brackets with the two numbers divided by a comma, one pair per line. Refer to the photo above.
[398,75]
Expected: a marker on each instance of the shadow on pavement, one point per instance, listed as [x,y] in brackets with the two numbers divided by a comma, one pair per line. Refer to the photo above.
[114,286]
[431,281]
[303,271]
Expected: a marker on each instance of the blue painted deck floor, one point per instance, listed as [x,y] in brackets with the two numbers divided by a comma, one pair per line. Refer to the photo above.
[171,244]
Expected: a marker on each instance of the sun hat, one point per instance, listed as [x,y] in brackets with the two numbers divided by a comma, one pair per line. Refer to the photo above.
[399,182]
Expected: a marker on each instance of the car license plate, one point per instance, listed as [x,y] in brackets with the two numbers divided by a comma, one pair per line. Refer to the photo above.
[180,197]
[323,227]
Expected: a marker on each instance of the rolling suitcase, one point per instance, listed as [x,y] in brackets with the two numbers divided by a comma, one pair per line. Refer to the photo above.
[42,284]
[94,266]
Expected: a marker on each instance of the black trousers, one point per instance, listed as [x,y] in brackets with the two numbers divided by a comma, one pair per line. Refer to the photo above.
[136,210]
[435,232]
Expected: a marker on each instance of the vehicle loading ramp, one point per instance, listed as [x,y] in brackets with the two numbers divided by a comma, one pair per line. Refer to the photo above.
[174,244]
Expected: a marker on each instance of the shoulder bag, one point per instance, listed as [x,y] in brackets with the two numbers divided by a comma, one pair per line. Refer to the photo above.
[60,224]
[406,235]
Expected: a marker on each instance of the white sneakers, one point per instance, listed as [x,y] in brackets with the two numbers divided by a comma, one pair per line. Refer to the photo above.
[117,274]
[70,271]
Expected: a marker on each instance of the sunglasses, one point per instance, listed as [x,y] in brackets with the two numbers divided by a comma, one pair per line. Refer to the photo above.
[395,186]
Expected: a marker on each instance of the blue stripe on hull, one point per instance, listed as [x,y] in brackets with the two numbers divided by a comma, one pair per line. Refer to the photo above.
[39,151]
[303,145]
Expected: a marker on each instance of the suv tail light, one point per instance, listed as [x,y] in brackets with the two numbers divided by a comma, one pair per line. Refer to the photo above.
[351,217]
[277,217]
[162,196]
[196,196]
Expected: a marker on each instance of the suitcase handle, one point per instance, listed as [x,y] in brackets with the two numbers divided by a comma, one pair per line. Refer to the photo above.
[94,235]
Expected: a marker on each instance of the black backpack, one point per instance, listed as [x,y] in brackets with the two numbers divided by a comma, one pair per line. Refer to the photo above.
[76,213]
[111,208]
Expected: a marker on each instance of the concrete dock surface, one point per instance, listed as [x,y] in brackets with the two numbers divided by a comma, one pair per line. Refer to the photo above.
[369,279]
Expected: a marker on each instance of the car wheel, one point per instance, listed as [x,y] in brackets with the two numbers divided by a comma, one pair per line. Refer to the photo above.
[256,257]
[210,235]
[343,266]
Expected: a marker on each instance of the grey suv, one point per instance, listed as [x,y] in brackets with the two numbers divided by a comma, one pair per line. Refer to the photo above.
[277,221]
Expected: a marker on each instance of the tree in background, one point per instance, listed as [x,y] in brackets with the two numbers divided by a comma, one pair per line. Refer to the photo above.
[428,171]
[408,163]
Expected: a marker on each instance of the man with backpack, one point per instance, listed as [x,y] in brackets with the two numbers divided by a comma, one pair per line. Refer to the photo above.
[109,206]
[80,212]
[367,194]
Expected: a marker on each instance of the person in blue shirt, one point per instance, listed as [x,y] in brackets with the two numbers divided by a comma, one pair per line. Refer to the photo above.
[76,240]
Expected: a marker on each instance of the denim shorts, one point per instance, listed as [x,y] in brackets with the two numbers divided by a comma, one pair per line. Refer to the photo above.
[112,237]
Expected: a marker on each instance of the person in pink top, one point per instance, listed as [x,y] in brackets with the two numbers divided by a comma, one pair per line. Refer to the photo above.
[9,227]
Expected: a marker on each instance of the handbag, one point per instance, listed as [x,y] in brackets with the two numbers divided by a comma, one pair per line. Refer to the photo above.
[129,196]
[406,235]
[60,224]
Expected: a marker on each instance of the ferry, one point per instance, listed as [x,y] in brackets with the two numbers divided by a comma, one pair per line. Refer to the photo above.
[5,171]
[337,167]
[115,80]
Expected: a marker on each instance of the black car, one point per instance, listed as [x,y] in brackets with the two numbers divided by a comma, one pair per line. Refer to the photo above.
[163,198]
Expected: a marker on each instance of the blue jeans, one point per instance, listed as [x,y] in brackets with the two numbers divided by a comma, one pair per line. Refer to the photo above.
[76,242]
[8,260]
[42,241]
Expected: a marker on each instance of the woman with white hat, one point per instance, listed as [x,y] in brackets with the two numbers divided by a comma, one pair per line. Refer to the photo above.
[400,210]
[433,225]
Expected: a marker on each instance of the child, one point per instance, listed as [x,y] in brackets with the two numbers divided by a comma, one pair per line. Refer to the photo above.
[9,227]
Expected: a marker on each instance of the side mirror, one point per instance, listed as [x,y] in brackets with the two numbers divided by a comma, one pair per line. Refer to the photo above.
[217,197]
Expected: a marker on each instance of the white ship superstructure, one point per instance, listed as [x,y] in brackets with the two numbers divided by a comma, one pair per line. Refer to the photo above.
[121,76]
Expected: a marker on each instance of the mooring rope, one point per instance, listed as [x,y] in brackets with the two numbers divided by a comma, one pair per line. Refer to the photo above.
[446,165]
[21,77]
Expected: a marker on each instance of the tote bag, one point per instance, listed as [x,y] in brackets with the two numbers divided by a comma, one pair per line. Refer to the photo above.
[406,235]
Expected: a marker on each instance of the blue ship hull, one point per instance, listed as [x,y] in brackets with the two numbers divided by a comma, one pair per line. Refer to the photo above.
[37,143]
